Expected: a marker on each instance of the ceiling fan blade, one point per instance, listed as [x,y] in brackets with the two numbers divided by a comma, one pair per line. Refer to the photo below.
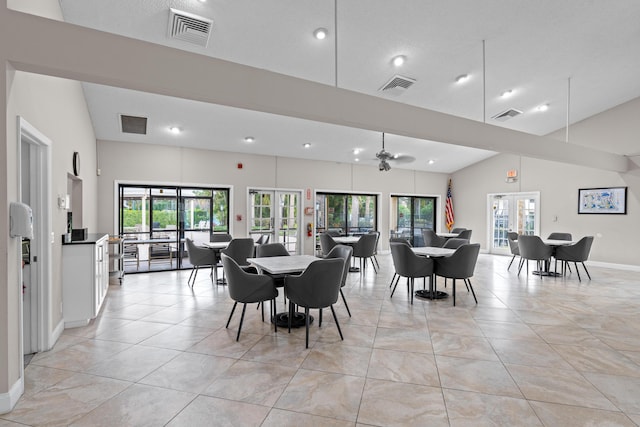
[402,158]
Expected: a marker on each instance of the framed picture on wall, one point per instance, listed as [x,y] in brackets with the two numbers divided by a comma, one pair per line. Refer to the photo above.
[612,200]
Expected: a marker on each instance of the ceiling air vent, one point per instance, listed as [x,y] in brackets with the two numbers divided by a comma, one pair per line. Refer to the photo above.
[397,85]
[189,27]
[133,124]
[506,115]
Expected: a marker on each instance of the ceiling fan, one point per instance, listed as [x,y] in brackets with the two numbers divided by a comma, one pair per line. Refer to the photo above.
[385,157]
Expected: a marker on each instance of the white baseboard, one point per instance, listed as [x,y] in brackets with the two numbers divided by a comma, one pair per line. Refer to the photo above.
[9,400]
[58,330]
[613,266]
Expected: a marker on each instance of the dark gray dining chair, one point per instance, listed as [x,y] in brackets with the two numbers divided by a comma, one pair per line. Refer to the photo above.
[432,239]
[560,236]
[533,248]
[512,238]
[455,243]
[460,265]
[465,234]
[220,237]
[397,240]
[326,243]
[410,266]
[317,287]
[247,288]
[576,253]
[199,257]
[273,249]
[343,252]
[375,250]
[364,249]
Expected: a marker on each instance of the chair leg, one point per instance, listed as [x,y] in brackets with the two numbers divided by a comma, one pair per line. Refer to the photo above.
[578,272]
[585,269]
[514,257]
[335,319]
[373,264]
[231,315]
[244,308]
[345,302]
[411,290]
[274,312]
[468,281]
[191,277]
[396,285]
[392,279]
[454,292]
[306,320]
[290,315]
[261,304]
[520,266]
[320,318]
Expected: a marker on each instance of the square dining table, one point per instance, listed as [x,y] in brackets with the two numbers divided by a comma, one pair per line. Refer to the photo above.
[432,252]
[349,240]
[285,265]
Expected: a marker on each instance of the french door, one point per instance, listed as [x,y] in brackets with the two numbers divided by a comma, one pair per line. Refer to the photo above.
[277,214]
[518,212]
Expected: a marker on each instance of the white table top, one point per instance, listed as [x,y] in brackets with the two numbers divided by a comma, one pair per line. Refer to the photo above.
[448,234]
[553,242]
[283,264]
[432,251]
[146,241]
[347,240]
[215,245]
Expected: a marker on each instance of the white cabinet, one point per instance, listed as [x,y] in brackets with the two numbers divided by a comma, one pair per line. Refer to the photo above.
[85,278]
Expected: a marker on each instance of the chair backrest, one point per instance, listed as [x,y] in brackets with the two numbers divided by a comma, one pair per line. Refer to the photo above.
[365,246]
[532,247]
[560,236]
[271,249]
[220,237]
[455,242]
[334,233]
[377,233]
[512,238]
[240,250]
[461,264]
[578,252]
[432,239]
[343,252]
[465,234]
[326,243]
[247,287]
[458,230]
[399,240]
[199,256]
[408,264]
[318,286]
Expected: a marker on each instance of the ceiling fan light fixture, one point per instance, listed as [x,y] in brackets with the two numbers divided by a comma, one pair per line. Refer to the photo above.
[384,166]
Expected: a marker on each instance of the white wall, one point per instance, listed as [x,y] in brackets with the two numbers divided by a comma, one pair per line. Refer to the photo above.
[131,162]
[558,183]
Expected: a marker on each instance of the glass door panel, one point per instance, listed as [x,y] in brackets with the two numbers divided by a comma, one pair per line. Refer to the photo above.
[423,218]
[287,219]
[280,222]
[412,214]
[262,220]
[518,212]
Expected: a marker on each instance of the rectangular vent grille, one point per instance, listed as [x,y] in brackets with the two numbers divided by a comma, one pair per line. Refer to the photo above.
[133,124]
[189,27]
[397,85]
[506,115]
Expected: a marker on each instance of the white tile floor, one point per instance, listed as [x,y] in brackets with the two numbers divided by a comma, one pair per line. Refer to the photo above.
[552,352]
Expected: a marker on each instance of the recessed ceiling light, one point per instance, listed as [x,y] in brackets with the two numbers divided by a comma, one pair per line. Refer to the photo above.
[306,145]
[507,93]
[398,60]
[543,107]
[356,151]
[431,161]
[202,1]
[356,159]
[175,130]
[320,33]
[249,139]
[462,78]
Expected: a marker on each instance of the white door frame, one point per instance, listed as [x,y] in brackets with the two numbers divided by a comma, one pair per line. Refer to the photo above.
[490,197]
[41,270]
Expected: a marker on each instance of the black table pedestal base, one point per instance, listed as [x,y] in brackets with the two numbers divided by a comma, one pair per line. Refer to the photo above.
[354,270]
[424,293]
[298,321]
[546,273]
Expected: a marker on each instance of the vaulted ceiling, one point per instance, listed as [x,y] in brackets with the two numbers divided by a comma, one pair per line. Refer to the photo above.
[572,59]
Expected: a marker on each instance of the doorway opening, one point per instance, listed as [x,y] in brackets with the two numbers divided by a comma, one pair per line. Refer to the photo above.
[412,214]
[276,213]
[518,212]
[34,187]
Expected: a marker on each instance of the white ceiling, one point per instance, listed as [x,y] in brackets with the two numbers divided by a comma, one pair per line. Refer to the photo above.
[532,48]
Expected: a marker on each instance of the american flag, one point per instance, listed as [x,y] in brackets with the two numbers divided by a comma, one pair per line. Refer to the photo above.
[448,209]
